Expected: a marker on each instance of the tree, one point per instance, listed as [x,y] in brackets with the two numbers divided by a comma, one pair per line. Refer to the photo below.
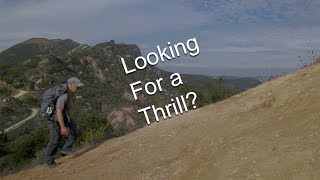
[201,99]
[4,141]
[217,91]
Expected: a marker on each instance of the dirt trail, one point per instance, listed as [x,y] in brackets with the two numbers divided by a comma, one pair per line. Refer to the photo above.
[34,112]
[268,132]
[20,94]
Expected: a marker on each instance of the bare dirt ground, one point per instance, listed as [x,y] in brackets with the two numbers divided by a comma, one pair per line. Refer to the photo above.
[268,132]
[20,94]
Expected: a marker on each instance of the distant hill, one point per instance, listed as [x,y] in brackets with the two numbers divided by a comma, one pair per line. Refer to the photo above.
[238,84]
[33,47]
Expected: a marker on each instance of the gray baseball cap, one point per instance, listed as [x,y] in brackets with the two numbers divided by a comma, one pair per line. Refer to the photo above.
[75,81]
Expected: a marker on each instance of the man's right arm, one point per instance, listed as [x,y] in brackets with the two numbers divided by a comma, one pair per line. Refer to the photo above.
[64,129]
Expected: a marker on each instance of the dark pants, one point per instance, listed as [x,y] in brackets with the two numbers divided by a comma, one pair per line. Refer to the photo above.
[55,138]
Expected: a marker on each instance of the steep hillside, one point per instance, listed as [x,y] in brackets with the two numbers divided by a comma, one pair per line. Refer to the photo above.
[38,64]
[12,111]
[268,132]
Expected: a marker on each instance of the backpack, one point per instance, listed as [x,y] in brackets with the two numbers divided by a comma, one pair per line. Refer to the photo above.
[49,100]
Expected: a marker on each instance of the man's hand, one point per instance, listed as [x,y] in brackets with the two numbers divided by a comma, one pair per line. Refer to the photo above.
[65,131]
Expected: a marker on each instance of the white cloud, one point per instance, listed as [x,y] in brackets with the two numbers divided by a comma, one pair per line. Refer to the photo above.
[239,11]
[233,33]
[97,20]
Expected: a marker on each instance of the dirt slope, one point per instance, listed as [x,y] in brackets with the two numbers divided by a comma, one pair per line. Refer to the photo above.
[269,132]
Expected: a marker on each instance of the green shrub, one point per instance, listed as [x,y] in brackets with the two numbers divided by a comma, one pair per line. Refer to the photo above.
[32,63]
[201,99]
[21,153]
[6,111]
[4,141]
[13,72]
[93,129]
[217,92]
[30,100]
[121,131]
[4,91]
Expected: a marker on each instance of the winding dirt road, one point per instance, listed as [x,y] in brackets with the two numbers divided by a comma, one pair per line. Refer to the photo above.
[34,112]
[15,126]
[20,94]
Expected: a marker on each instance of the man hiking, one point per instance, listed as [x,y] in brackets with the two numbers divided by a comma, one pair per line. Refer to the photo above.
[61,124]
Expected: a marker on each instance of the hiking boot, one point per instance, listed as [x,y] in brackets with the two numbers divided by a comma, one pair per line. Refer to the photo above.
[65,152]
[52,165]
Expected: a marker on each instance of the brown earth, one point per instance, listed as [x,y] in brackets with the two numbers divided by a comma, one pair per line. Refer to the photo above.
[268,132]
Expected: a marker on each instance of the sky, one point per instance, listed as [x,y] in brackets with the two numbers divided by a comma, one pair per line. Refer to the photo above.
[235,37]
